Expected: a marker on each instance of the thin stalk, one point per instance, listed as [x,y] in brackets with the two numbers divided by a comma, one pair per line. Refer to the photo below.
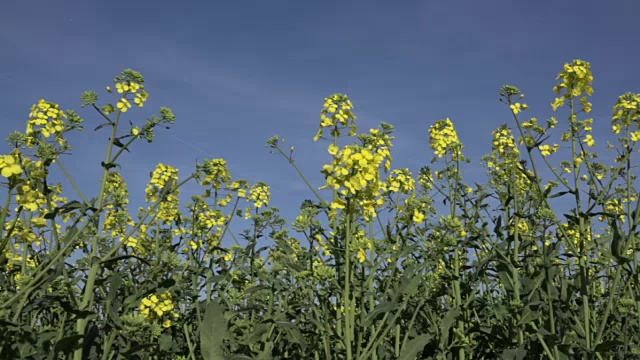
[3,219]
[95,267]
[516,256]
[552,320]
[304,178]
[456,255]
[607,310]
[348,326]
[583,232]
[189,344]
[72,181]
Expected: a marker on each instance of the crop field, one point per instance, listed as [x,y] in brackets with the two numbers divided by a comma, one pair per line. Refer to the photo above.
[380,263]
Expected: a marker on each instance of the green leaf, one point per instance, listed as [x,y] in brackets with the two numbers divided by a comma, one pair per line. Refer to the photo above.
[413,347]
[138,348]
[528,316]
[514,354]
[544,332]
[213,329]
[265,354]
[446,324]
[109,263]
[102,125]
[108,166]
[119,144]
[295,335]
[68,344]
[379,310]
[260,331]
[166,342]
[558,194]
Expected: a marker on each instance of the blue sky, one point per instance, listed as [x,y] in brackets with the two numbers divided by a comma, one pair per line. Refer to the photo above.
[238,72]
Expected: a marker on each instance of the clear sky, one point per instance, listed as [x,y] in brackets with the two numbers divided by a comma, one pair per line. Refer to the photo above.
[238,72]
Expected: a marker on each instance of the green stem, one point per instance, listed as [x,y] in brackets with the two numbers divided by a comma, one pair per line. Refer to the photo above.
[3,219]
[583,231]
[304,178]
[189,344]
[348,326]
[516,258]
[72,181]
[552,320]
[607,310]
[95,266]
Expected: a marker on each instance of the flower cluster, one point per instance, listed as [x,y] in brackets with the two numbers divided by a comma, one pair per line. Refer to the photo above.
[443,139]
[626,111]
[400,180]
[616,207]
[31,199]
[10,165]
[576,80]
[259,196]
[15,260]
[337,114]
[207,226]
[126,87]
[45,118]
[157,306]
[504,162]
[546,150]
[163,181]
[216,173]
[573,233]
[504,145]
[505,156]
[355,171]
[117,197]
[360,244]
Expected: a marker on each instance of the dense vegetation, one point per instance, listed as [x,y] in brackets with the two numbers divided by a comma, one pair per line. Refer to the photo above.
[368,270]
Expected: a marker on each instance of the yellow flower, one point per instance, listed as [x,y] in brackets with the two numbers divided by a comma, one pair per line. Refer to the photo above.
[518,108]
[362,255]
[123,105]
[141,98]
[546,150]
[589,140]
[558,102]
[418,217]
[135,131]
[333,149]
[134,87]
[577,161]
[122,87]
[39,222]
[443,139]
[617,128]
[9,166]
[132,242]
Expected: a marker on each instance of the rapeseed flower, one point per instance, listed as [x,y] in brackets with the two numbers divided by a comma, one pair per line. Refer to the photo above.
[443,139]
[9,166]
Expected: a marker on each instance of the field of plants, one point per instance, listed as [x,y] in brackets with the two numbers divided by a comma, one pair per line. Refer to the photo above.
[380,263]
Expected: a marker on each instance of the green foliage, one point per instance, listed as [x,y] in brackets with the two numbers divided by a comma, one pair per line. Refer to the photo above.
[372,268]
